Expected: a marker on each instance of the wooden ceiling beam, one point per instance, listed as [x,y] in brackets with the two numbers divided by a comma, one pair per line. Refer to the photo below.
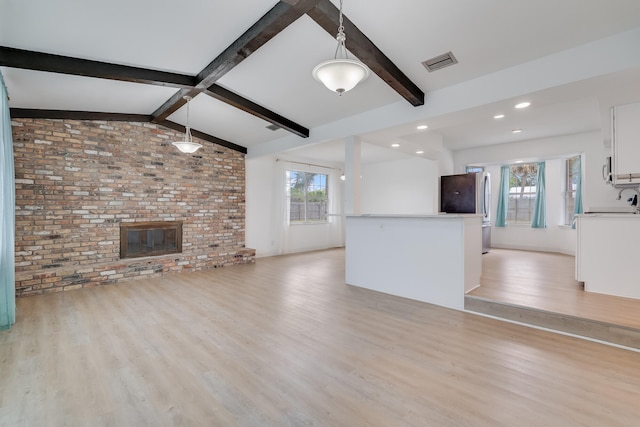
[327,16]
[228,97]
[283,14]
[173,104]
[279,17]
[30,113]
[25,59]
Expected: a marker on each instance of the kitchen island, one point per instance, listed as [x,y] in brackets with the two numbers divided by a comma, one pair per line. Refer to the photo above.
[607,253]
[430,258]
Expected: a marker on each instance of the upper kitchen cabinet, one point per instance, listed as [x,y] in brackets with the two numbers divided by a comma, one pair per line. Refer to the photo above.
[625,144]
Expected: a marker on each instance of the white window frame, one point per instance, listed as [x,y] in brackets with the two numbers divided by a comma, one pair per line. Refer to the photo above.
[569,192]
[527,193]
[305,220]
[472,169]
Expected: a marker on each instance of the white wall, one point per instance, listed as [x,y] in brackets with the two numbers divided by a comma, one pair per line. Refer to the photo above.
[407,186]
[266,229]
[262,230]
[446,165]
[595,192]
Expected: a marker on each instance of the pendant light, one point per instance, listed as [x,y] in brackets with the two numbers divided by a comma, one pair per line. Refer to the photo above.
[187,146]
[341,74]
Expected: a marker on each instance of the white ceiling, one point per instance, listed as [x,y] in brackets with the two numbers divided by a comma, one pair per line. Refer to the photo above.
[570,58]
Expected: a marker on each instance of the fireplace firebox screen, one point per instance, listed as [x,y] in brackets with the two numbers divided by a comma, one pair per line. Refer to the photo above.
[141,239]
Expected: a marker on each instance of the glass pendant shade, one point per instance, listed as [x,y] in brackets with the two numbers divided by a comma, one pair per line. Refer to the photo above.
[187,146]
[340,75]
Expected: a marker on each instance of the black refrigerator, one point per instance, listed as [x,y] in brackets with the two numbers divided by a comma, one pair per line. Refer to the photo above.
[469,193]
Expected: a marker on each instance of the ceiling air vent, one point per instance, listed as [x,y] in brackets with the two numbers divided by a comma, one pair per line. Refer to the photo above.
[439,62]
[273,127]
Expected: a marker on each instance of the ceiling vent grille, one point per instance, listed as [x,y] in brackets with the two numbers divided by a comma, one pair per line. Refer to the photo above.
[439,62]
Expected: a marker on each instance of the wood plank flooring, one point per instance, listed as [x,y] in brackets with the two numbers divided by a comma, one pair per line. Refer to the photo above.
[285,342]
[546,281]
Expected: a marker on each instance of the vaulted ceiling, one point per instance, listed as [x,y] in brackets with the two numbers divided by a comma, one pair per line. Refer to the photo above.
[248,67]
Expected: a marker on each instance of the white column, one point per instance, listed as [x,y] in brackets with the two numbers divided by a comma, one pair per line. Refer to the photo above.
[353,175]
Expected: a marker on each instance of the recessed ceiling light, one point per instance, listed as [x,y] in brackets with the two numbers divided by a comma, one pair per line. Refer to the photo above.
[419,152]
[498,116]
[523,105]
[422,127]
[516,130]
[395,145]
[518,161]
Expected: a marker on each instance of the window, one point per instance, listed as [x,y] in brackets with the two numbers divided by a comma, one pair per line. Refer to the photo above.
[572,174]
[522,192]
[140,239]
[307,197]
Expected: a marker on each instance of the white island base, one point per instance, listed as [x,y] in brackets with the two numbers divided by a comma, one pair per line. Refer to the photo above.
[430,258]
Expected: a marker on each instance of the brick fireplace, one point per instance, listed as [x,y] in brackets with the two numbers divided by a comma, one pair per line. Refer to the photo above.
[78,181]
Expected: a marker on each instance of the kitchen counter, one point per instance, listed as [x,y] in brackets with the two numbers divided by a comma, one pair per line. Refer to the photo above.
[434,258]
[608,248]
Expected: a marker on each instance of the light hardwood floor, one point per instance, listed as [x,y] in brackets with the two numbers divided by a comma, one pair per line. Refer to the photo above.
[285,342]
[546,281]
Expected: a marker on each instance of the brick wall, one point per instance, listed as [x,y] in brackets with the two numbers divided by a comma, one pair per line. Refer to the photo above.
[77,180]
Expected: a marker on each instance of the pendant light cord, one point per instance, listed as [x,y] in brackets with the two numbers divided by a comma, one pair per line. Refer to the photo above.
[188,136]
[341,26]
[341,37]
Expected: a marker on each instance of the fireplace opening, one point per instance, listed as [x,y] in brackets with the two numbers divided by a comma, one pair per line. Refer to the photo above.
[142,239]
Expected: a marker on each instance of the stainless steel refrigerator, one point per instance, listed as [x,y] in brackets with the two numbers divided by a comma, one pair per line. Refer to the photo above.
[469,193]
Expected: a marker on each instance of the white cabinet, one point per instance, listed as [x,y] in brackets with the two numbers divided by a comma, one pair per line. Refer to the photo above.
[625,144]
[607,253]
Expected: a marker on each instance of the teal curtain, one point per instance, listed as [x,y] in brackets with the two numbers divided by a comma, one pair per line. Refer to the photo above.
[503,197]
[540,211]
[7,215]
[577,207]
